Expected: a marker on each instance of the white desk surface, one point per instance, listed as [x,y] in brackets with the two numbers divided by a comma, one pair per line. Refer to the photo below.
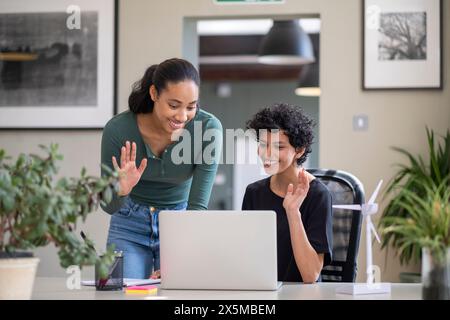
[55,289]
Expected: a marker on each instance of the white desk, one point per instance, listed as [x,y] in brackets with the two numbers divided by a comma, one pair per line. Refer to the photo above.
[55,289]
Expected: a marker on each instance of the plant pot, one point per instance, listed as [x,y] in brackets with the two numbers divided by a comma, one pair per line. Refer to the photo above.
[17,273]
[410,277]
[435,275]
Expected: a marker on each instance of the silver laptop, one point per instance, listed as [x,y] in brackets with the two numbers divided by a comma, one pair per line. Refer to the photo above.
[218,250]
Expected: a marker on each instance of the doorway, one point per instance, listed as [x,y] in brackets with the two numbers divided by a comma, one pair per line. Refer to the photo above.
[235,86]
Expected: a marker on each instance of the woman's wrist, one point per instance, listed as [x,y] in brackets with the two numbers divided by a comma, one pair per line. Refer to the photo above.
[121,193]
[292,212]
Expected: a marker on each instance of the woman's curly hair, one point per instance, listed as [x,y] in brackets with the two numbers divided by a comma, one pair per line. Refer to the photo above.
[291,120]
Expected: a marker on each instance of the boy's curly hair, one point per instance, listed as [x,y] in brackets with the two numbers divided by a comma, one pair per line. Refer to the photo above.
[291,120]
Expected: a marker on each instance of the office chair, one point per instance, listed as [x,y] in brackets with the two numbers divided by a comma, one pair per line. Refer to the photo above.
[345,189]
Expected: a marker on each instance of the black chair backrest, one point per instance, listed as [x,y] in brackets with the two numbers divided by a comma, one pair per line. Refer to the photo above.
[345,189]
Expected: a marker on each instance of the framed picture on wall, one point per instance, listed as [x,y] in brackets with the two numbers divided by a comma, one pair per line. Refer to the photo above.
[57,63]
[402,44]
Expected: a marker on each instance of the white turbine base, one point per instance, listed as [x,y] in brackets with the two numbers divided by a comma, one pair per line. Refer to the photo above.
[364,288]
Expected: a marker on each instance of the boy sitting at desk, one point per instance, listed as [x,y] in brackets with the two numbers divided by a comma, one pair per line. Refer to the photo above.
[301,202]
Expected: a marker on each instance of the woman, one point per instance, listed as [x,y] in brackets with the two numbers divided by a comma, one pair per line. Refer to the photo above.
[301,202]
[147,138]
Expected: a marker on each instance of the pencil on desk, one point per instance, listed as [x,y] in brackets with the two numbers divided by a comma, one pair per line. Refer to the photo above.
[83,235]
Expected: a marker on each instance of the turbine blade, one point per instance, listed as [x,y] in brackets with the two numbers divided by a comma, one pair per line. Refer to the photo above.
[375,193]
[348,206]
[372,227]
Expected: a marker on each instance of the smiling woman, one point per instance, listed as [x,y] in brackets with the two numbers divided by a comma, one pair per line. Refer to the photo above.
[302,203]
[163,105]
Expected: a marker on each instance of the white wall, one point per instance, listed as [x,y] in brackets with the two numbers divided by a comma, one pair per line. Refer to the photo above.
[151,31]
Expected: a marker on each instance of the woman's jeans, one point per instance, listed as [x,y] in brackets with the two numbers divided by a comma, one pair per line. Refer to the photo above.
[134,230]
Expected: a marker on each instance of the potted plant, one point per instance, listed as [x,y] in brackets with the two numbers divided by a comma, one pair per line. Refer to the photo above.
[427,226]
[36,210]
[414,177]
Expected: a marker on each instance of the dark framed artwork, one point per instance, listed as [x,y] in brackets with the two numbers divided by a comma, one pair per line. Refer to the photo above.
[402,44]
[58,62]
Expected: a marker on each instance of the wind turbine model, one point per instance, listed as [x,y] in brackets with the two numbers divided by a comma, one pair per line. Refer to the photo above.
[370,287]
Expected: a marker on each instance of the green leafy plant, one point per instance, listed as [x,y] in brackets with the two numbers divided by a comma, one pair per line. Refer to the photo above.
[414,182]
[428,222]
[35,210]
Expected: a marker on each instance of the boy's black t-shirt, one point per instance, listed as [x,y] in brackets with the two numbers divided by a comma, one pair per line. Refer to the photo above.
[316,214]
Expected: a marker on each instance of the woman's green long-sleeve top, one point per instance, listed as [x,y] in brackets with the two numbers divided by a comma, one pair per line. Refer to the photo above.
[185,171]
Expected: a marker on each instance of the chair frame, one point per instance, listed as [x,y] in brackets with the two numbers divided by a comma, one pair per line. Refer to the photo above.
[349,268]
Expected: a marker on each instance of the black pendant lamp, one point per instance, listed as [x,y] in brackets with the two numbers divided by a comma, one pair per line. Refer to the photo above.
[308,84]
[286,43]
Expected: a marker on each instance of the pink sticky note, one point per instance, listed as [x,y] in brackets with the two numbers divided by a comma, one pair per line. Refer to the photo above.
[147,287]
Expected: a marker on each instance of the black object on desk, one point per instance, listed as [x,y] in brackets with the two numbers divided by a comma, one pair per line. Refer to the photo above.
[114,280]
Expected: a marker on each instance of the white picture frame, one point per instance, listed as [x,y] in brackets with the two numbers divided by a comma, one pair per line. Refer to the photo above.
[58,63]
[402,44]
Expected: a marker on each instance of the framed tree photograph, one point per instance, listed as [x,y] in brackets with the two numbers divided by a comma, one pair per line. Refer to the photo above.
[57,63]
[402,44]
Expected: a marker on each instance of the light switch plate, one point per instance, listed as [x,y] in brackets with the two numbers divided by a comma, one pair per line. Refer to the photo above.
[360,122]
